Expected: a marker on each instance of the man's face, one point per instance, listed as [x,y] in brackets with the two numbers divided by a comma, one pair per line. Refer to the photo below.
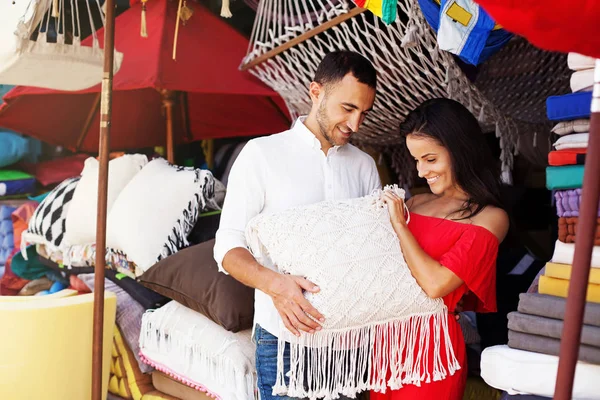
[342,107]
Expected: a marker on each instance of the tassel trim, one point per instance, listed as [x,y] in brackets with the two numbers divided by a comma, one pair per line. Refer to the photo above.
[225,11]
[331,363]
[55,9]
[143,23]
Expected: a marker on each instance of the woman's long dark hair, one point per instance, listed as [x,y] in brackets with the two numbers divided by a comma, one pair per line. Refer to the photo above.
[473,167]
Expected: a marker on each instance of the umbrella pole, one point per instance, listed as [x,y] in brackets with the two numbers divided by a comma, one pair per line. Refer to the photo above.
[104,148]
[168,100]
[586,231]
[88,122]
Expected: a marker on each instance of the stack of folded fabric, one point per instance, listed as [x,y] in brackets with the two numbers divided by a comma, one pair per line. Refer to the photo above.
[531,329]
[529,364]
[572,113]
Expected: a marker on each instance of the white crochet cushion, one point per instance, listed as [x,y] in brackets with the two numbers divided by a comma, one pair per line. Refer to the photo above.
[524,372]
[573,126]
[81,218]
[368,296]
[574,141]
[154,214]
[198,352]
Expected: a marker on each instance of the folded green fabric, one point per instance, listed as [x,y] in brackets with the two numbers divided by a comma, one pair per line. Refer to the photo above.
[29,269]
[564,177]
[13,175]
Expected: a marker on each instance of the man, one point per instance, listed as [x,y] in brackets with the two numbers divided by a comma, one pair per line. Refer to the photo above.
[309,163]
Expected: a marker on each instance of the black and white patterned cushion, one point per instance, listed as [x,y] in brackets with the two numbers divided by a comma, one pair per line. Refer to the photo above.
[47,225]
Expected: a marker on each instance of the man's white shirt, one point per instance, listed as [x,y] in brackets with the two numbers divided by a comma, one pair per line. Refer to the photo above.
[281,171]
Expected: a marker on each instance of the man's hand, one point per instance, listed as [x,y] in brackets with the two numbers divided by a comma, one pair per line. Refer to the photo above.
[295,311]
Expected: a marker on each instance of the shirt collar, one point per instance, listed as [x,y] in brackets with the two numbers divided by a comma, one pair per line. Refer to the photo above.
[308,137]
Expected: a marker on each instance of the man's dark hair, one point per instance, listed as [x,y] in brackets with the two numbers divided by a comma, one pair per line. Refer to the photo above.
[337,64]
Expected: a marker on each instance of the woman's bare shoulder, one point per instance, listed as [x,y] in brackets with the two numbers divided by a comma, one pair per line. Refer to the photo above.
[419,199]
[494,219]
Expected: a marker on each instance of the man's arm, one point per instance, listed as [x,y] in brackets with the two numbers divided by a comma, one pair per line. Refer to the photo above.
[245,199]
[285,290]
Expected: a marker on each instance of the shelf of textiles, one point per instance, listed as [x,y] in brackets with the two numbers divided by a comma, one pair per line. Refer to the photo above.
[528,364]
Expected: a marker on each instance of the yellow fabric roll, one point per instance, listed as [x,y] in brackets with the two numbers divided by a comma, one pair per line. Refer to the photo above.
[563,271]
[47,352]
[132,383]
[113,385]
[560,288]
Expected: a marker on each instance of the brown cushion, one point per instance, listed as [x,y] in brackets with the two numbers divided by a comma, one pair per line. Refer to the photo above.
[192,278]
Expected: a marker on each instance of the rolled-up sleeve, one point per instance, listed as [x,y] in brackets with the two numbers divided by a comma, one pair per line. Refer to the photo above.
[245,199]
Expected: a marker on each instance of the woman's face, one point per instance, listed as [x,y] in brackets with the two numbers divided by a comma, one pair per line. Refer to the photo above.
[433,163]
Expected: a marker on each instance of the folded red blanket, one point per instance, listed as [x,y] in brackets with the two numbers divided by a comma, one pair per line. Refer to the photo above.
[567,157]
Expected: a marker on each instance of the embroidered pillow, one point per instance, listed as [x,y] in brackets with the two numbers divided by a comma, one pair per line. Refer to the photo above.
[157,210]
[375,310]
[48,224]
[81,219]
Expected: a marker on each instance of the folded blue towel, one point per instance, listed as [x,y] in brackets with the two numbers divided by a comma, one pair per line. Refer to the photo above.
[569,106]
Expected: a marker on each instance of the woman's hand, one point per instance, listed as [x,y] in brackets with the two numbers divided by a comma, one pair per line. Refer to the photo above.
[396,208]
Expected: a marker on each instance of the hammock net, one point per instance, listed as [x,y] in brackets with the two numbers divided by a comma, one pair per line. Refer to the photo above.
[411,68]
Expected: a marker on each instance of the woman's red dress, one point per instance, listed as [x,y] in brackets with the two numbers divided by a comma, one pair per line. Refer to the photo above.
[470,252]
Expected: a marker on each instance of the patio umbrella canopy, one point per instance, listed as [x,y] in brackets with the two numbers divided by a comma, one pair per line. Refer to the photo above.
[210,97]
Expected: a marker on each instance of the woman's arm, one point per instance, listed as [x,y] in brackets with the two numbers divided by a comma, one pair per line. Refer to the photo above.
[435,279]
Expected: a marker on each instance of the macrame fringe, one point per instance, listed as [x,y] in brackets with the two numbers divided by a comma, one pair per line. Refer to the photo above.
[184,351]
[330,363]
[143,24]
[225,11]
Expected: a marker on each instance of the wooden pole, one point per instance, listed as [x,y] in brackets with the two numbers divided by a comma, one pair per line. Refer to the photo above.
[168,100]
[185,116]
[302,38]
[104,149]
[88,122]
[586,231]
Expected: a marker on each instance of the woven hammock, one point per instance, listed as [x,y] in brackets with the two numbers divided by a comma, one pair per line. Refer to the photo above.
[41,46]
[290,38]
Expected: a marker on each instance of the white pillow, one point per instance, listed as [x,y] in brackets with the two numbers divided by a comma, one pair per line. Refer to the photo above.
[156,211]
[524,372]
[81,219]
[574,141]
[578,62]
[574,126]
[582,81]
[193,349]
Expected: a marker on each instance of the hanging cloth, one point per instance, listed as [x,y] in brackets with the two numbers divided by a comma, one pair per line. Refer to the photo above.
[41,44]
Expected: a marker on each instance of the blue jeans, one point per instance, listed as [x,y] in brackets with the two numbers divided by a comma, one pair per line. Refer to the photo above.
[266,364]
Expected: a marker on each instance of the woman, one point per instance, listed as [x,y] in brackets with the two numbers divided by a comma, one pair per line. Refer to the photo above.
[452,240]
